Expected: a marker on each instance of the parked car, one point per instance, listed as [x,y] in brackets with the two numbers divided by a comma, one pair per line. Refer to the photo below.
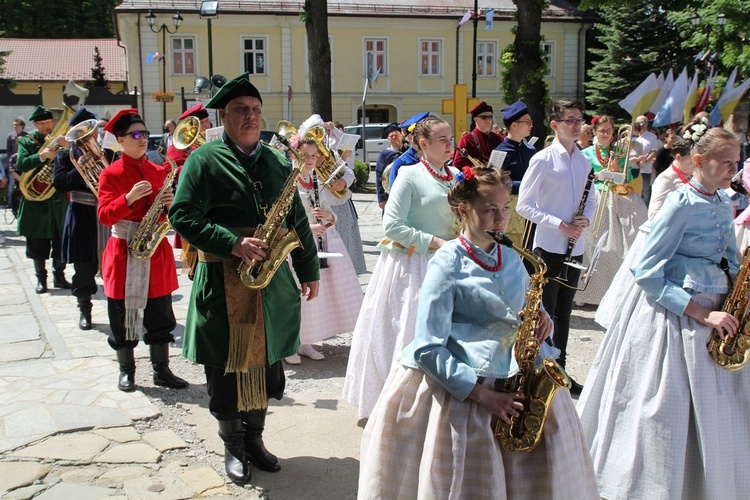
[374,137]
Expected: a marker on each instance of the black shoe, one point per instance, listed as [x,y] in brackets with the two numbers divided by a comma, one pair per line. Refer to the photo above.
[41,275]
[163,376]
[126,379]
[84,305]
[255,450]
[85,322]
[235,463]
[41,286]
[575,388]
[59,281]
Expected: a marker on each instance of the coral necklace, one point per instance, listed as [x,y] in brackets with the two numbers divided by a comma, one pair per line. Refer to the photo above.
[476,258]
[604,162]
[701,191]
[446,177]
[308,185]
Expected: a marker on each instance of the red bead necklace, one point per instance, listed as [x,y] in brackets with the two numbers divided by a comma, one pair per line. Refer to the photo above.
[680,174]
[701,191]
[475,257]
[604,162]
[308,185]
[447,177]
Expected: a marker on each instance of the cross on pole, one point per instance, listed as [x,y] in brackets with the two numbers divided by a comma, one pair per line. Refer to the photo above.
[459,107]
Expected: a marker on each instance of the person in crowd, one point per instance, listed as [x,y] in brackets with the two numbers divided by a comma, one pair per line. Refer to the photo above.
[166,138]
[431,432]
[139,290]
[742,222]
[561,219]
[395,148]
[336,308]
[586,137]
[11,148]
[480,140]
[241,334]
[620,214]
[180,155]
[417,221]
[41,221]
[649,144]
[675,176]
[664,155]
[411,155]
[655,399]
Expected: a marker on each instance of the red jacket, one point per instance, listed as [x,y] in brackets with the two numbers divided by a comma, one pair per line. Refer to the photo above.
[478,145]
[114,183]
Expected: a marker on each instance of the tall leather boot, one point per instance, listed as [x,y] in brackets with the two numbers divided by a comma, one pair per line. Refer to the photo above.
[255,450]
[41,275]
[126,359]
[58,275]
[235,463]
[84,305]
[163,376]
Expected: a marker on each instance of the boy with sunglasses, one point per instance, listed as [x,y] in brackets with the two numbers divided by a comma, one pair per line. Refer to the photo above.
[480,140]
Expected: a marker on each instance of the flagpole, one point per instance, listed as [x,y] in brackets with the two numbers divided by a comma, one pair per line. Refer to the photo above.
[474,52]
[458,28]
[364,124]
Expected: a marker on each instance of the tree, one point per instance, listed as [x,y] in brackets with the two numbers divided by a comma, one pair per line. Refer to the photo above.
[315,17]
[98,74]
[58,19]
[525,64]
[3,80]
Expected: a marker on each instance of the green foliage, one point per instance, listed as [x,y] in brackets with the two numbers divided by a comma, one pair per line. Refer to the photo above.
[362,173]
[98,73]
[3,80]
[58,19]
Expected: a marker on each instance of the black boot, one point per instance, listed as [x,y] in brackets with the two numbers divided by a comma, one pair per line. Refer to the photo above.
[126,359]
[58,275]
[235,463]
[41,275]
[84,305]
[162,374]
[255,450]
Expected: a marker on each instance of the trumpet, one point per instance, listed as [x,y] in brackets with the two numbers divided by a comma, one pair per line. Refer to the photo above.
[188,133]
[92,162]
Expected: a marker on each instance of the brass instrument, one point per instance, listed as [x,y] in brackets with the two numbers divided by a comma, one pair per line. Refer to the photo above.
[92,162]
[188,133]
[328,167]
[286,129]
[537,384]
[612,180]
[36,184]
[624,142]
[548,140]
[150,231]
[258,273]
[732,353]
[385,179]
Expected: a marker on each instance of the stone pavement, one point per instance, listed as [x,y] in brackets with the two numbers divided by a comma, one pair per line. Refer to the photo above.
[66,431]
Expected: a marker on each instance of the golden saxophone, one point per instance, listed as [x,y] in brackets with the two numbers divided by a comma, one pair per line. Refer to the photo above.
[732,353]
[258,274]
[537,384]
[150,231]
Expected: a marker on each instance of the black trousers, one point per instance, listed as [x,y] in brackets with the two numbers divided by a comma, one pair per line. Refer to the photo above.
[558,299]
[222,390]
[158,320]
[84,279]
[39,248]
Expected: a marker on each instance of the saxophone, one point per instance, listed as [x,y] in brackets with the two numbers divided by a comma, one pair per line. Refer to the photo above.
[732,353]
[258,273]
[150,231]
[537,384]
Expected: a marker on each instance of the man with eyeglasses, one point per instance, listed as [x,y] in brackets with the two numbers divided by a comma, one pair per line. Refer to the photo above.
[480,140]
[239,334]
[550,196]
[649,146]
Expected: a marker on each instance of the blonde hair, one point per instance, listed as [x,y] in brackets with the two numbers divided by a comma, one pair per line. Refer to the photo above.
[424,129]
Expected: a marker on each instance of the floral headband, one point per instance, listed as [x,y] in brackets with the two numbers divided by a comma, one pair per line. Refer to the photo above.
[466,174]
[695,132]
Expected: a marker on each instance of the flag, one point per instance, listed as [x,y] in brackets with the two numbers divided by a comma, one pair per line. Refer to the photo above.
[664,91]
[639,100]
[466,17]
[727,102]
[708,88]
[692,98]
[660,79]
[489,18]
[151,57]
[674,105]
[289,93]
[698,57]
[731,79]
[372,72]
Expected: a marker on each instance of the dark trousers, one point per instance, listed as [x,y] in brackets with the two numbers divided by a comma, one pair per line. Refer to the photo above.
[646,193]
[158,320]
[39,248]
[558,299]
[222,390]
[84,282]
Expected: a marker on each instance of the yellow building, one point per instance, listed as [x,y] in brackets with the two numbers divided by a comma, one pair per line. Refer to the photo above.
[418,47]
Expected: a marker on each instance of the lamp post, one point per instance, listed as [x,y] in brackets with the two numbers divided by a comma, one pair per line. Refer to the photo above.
[163,29]
[209,10]
[721,20]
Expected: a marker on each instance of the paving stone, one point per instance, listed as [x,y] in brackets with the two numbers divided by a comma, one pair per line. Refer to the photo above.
[25,327]
[27,421]
[81,397]
[25,493]
[202,480]
[173,489]
[118,475]
[70,417]
[16,474]
[119,434]
[129,453]
[78,447]
[81,475]
[164,440]
[22,351]
[218,493]
[76,491]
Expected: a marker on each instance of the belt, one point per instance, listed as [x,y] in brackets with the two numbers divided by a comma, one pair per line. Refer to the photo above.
[207,257]
[83,198]
[409,250]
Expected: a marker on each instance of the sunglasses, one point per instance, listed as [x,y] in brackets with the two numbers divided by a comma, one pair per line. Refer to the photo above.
[138,134]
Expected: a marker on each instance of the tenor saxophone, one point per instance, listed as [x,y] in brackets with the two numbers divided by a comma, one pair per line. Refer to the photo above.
[537,384]
[150,231]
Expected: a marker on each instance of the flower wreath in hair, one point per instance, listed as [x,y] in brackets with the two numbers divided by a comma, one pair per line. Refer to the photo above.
[295,140]
[695,132]
[466,174]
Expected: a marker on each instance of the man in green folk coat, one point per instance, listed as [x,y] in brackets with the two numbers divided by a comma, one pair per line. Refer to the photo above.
[41,222]
[241,335]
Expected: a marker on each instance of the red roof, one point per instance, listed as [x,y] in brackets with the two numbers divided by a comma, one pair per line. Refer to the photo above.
[62,59]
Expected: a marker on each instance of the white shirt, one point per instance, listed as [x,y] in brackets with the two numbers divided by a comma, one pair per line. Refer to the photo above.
[551,192]
[649,142]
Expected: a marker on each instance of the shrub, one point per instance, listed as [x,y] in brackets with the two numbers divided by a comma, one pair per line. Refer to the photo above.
[362,173]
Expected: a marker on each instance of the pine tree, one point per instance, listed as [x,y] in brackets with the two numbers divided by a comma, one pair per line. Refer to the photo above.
[98,74]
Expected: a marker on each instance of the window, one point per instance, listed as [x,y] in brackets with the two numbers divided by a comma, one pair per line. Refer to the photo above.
[378,48]
[430,56]
[548,49]
[254,52]
[486,59]
[183,55]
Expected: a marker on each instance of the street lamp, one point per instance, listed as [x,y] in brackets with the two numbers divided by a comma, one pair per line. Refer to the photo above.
[209,10]
[721,20]
[163,29]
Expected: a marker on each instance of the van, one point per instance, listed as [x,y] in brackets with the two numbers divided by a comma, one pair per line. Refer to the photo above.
[374,137]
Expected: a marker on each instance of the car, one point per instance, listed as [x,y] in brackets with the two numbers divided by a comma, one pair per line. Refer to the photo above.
[374,140]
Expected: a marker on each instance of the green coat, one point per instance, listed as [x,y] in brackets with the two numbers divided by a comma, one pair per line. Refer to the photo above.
[38,219]
[214,195]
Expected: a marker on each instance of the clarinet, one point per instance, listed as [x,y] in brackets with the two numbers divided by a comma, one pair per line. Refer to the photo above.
[316,204]
[563,274]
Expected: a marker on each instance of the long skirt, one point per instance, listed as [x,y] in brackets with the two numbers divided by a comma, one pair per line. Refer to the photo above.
[348,228]
[339,299]
[621,219]
[421,442]
[662,419]
[384,327]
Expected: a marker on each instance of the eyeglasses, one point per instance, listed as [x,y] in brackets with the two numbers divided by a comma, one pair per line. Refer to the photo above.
[485,117]
[138,134]
[525,121]
[572,123]
[605,131]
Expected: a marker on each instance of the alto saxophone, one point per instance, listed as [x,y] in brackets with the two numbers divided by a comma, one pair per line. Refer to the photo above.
[537,384]
[732,353]
[150,231]
[258,273]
